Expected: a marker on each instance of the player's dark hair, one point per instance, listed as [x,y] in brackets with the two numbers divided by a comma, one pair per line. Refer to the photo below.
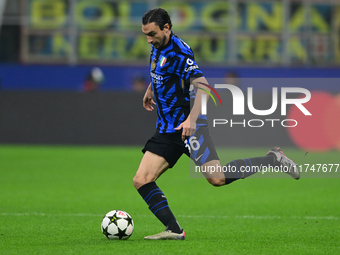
[157,15]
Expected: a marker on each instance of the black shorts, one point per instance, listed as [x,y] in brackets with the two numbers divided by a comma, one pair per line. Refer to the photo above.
[170,146]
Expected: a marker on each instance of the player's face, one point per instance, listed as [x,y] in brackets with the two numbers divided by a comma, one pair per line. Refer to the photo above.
[155,35]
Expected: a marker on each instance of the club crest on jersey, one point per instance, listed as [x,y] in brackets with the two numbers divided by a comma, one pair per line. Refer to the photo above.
[162,61]
[153,65]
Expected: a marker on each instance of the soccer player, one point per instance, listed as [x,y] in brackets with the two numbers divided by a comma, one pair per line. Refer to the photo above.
[173,69]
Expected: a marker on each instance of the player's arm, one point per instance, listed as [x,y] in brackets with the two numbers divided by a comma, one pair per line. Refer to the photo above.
[148,101]
[196,109]
[189,125]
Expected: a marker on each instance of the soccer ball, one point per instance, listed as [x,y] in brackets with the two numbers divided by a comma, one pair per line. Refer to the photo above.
[117,224]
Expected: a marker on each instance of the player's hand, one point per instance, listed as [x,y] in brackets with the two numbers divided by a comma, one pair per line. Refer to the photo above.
[148,101]
[188,128]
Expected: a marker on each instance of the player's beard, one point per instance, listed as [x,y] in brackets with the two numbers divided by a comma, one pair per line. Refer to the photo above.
[161,43]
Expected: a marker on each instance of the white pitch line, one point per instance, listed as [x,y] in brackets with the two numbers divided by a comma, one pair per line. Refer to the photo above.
[52,214]
[256,217]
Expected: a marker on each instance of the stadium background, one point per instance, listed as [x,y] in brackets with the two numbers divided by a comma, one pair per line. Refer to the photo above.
[48,49]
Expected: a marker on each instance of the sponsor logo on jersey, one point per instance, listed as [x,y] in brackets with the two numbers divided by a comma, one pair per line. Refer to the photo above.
[190,61]
[190,68]
[156,78]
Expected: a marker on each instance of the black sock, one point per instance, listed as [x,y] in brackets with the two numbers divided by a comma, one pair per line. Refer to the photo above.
[243,168]
[158,205]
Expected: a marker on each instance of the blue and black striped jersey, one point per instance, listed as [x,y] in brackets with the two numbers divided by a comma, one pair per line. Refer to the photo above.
[172,67]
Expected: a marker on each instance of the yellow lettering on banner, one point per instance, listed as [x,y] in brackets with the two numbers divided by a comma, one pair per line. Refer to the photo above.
[109,47]
[103,21]
[267,48]
[113,47]
[191,40]
[259,49]
[119,42]
[318,21]
[140,48]
[207,48]
[194,42]
[210,21]
[60,45]
[182,14]
[213,49]
[337,36]
[124,10]
[127,21]
[299,20]
[48,14]
[244,48]
[297,50]
[89,45]
[257,14]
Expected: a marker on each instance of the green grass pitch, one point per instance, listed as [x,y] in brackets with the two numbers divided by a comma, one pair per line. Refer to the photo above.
[53,199]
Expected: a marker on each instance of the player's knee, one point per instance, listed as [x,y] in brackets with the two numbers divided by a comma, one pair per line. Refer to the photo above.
[216,182]
[137,182]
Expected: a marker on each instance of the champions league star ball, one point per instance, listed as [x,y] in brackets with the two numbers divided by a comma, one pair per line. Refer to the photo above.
[117,225]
